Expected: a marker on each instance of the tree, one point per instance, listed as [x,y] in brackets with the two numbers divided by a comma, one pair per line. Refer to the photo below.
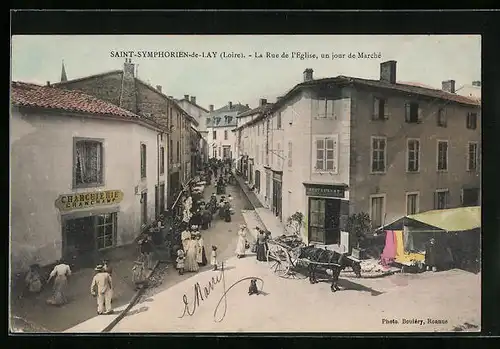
[358,225]
[294,223]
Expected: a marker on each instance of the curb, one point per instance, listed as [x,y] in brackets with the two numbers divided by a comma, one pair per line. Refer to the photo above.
[238,180]
[131,304]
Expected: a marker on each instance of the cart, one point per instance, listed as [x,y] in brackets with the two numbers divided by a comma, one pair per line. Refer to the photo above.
[284,261]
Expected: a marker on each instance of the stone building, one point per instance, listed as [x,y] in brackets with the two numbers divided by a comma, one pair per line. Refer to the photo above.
[124,89]
[85,175]
[343,145]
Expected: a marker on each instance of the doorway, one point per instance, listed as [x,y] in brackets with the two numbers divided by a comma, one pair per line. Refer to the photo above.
[324,221]
[277,198]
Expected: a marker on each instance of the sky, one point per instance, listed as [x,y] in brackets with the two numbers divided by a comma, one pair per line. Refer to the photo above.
[426,59]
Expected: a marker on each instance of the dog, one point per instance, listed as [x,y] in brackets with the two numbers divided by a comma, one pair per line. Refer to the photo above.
[253,287]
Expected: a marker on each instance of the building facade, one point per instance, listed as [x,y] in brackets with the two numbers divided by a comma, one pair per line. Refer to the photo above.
[220,125]
[122,88]
[86,175]
[344,145]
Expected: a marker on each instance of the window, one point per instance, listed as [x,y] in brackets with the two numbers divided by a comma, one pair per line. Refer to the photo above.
[258,129]
[162,160]
[208,120]
[380,110]
[317,217]
[144,208]
[325,108]
[171,151]
[225,135]
[278,121]
[289,154]
[326,153]
[278,155]
[88,166]
[472,156]
[472,121]
[220,151]
[214,135]
[441,199]
[412,113]
[215,152]
[106,230]
[257,154]
[178,151]
[470,197]
[413,155]
[442,156]
[412,203]
[441,117]
[143,160]
[377,210]
[378,154]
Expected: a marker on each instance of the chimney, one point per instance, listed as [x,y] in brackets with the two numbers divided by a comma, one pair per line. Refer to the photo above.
[48,83]
[230,105]
[262,102]
[388,72]
[308,74]
[448,86]
[193,99]
[186,97]
[158,87]
[476,83]
[128,67]
[211,107]
[246,105]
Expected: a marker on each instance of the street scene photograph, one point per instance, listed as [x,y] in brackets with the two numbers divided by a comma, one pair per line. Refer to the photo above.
[245,184]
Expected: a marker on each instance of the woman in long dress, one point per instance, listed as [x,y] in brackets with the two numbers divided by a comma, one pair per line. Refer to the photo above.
[241,244]
[202,256]
[60,274]
[261,247]
[191,262]
[185,236]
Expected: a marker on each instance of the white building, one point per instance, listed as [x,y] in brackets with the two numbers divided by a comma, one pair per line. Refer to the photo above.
[344,145]
[471,90]
[85,175]
[220,124]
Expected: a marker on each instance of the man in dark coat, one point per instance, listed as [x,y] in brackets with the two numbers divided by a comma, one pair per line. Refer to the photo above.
[206,218]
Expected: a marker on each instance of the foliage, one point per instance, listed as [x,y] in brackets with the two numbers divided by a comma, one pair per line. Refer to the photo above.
[295,222]
[358,225]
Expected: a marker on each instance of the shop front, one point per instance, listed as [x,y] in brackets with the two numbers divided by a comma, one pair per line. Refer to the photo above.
[327,212]
[89,224]
[277,194]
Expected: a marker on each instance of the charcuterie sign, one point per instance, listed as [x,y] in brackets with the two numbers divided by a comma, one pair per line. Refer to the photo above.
[68,202]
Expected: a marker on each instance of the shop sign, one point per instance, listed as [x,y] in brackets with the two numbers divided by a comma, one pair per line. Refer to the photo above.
[332,191]
[68,202]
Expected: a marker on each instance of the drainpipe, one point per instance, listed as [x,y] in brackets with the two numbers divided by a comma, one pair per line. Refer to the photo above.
[158,153]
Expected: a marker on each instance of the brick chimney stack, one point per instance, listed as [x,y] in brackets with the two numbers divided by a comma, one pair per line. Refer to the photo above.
[476,83]
[211,107]
[388,72]
[193,99]
[263,102]
[186,97]
[128,67]
[158,87]
[128,96]
[230,105]
[308,74]
[448,86]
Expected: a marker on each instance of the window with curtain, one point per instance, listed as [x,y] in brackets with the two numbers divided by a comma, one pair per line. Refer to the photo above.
[143,160]
[88,168]
[377,211]
[106,230]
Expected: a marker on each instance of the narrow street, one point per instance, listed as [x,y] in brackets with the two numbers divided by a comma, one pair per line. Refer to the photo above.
[82,306]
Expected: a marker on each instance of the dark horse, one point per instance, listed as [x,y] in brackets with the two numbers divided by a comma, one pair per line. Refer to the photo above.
[332,260]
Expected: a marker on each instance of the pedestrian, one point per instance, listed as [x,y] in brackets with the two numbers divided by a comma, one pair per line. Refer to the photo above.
[185,236]
[180,261]
[107,268]
[147,251]
[60,274]
[261,246]
[213,259]
[101,287]
[227,212]
[241,244]
[202,256]
[229,198]
[206,218]
[191,261]
[33,279]
[138,274]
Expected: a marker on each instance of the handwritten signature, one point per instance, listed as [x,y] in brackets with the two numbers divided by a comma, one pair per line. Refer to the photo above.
[202,293]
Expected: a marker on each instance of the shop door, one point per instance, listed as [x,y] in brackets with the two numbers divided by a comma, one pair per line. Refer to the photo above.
[277,198]
[332,221]
[80,241]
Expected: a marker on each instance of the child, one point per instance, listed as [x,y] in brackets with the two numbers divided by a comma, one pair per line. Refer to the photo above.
[180,261]
[214,257]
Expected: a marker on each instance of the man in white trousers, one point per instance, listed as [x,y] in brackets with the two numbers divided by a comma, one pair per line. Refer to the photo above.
[102,288]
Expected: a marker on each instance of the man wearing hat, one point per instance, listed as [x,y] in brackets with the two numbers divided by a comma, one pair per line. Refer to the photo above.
[102,287]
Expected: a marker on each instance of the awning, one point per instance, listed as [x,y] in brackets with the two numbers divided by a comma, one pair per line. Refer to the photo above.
[448,220]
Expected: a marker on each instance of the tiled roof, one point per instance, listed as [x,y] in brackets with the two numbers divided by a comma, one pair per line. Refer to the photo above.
[36,96]
[224,119]
[235,107]
[261,110]
[254,111]
[196,105]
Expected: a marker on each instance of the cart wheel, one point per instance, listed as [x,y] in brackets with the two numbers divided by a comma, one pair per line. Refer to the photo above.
[279,268]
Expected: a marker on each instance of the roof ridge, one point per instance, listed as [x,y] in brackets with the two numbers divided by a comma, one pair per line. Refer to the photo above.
[88,77]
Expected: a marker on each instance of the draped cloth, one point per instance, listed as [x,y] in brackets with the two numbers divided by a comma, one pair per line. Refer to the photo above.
[398,238]
[389,252]
[402,254]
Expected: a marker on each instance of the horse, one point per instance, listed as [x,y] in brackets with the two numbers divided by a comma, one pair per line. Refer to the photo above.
[332,260]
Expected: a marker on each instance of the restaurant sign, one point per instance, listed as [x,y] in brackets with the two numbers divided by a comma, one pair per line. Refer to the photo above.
[325,190]
[68,202]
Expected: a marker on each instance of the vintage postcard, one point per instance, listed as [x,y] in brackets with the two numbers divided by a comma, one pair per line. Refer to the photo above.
[176,184]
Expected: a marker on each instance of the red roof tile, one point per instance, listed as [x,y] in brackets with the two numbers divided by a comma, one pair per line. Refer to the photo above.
[31,95]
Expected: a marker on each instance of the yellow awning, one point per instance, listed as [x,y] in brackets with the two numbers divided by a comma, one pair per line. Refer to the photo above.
[453,219]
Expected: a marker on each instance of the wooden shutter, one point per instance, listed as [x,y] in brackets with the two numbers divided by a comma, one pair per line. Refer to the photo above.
[420,114]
